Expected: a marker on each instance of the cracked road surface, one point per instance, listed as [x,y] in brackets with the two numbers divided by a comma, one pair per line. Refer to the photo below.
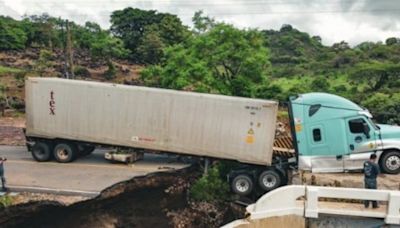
[85,176]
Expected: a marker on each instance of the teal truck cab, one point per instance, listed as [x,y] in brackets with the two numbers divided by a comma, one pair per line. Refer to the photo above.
[330,134]
[333,134]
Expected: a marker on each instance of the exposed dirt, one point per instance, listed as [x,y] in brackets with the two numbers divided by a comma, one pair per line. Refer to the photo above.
[26,197]
[155,200]
[11,131]
[126,72]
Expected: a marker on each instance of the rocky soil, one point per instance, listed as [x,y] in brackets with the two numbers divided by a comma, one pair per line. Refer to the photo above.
[26,197]
[25,64]
[11,131]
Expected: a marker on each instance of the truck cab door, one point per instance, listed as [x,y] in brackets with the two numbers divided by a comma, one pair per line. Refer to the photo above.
[326,157]
[361,142]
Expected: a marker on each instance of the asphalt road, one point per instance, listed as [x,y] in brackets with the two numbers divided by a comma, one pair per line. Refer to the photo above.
[85,176]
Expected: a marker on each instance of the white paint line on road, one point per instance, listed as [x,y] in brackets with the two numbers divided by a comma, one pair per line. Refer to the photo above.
[52,190]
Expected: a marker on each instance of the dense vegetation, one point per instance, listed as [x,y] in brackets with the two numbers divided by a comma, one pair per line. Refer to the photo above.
[216,57]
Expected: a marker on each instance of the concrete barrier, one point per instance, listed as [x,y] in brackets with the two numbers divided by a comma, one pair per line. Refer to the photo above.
[304,201]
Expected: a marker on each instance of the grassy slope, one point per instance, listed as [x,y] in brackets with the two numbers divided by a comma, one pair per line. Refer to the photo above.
[7,70]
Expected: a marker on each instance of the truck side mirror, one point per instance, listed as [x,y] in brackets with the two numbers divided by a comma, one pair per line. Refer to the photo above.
[366,130]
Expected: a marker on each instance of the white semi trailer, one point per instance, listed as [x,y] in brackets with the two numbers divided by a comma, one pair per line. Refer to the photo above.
[67,118]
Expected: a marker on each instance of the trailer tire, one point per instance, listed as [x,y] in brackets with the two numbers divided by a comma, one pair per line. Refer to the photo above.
[41,151]
[242,185]
[65,152]
[269,180]
[390,162]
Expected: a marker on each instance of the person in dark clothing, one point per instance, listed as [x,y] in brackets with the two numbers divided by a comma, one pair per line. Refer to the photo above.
[371,172]
[3,179]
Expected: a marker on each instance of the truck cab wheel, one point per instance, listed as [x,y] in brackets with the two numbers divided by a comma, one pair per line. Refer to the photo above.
[41,151]
[65,152]
[269,180]
[390,162]
[242,185]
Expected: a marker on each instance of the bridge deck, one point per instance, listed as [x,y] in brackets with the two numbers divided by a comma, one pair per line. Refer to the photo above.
[352,209]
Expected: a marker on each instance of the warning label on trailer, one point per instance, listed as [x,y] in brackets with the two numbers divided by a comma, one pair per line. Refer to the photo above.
[250,139]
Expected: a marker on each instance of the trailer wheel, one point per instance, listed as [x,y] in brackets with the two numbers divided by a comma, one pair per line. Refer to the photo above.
[65,152]
[390,162]
[41,151]
[269,180]
[242,185]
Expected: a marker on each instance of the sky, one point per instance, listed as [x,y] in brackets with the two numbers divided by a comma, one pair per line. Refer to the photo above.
[353,21]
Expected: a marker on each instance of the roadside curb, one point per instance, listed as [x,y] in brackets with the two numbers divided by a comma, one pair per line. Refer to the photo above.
[65,192]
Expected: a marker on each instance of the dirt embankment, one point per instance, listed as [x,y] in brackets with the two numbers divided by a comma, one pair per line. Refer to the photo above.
[155,200]
[11,131]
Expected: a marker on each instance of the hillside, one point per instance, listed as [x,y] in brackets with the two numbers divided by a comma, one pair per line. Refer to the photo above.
[15,66]
[155,49]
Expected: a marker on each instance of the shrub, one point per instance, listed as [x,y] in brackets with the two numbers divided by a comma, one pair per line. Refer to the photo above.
[81,72]
[44,62]
[5,201]
[20,77]
[16,103]
[210,187]
[320,84]
[110,72]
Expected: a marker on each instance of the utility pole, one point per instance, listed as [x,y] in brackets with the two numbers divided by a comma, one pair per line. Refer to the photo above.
[64,46]
[69,54]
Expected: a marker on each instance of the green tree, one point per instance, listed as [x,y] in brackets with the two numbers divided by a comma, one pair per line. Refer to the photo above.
[132,25]
[202,23]
[151,47]
[223,60]
[12,36]
[320,84]
[375,74]
[392,41]
[342,46]
[170,29]
[385,107]
[158,36]
[44,30]
[105,48]
[86,35]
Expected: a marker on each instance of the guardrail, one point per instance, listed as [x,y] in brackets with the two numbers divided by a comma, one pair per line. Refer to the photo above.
[305,201]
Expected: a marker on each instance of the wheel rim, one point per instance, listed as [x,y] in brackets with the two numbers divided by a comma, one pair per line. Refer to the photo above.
[393,162]
[62,154]
[269,181]
[242,185]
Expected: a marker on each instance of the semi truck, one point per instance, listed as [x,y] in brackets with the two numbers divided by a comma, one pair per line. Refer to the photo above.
[68,118]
